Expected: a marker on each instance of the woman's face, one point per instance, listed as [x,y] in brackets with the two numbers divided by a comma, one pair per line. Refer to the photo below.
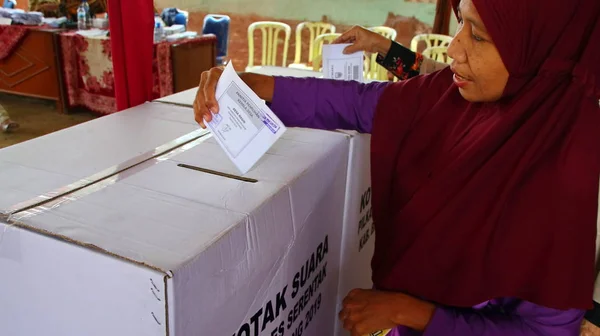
[478,69]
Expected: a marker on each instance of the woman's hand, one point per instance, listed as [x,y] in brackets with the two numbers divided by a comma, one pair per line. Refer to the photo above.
[367,311]
[589,329]
[205,104]
[364,40]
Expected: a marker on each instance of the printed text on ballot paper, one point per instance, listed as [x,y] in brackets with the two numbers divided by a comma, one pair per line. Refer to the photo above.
[244,127]
[337,65]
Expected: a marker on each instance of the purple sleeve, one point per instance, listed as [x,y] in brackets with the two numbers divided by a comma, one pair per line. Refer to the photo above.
[326,104]
[525,319]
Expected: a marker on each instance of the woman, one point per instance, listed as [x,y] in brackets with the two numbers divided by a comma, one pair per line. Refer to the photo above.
[485,174]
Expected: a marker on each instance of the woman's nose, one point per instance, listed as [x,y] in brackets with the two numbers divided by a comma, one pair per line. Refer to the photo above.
[456,51]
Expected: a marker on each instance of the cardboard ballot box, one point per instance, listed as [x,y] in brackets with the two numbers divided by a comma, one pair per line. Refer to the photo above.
[358,235]
[184,98]
[45,164]
[358,232]
[127,231]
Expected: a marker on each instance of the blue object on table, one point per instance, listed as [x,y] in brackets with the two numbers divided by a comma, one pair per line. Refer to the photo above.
[218,25]
[172,16]
[180,19]
[168,16]
[9,4]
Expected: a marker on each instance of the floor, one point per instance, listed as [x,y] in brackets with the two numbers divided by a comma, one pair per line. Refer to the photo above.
[36,117]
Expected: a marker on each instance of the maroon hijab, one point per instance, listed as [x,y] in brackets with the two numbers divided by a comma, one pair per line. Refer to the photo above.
[478,201]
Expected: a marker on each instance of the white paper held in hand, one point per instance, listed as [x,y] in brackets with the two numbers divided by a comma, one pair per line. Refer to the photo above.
[337,65]
[244,127]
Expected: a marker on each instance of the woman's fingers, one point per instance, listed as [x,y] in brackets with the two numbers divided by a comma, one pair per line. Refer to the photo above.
[210,89]
[198,116]
[200,109]
[347,37]
[206,103]
[360,39]
[342,315]
[351,36]
[354,48]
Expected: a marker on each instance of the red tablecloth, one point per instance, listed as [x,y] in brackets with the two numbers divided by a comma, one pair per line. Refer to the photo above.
[10,37]
[88,71]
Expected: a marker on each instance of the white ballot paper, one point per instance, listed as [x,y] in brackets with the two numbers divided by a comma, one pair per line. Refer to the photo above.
[244,127]
[337,65]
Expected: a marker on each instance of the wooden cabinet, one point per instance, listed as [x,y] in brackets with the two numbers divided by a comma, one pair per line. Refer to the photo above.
[189,60]
[33,68]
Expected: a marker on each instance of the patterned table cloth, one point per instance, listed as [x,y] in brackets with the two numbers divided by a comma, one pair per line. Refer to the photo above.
[88,71]
[10,37]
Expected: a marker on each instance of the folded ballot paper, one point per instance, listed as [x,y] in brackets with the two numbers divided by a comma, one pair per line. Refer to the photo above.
[244,127]
[337,65]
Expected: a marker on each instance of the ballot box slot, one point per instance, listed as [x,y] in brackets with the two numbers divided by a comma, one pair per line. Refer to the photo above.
[218,173]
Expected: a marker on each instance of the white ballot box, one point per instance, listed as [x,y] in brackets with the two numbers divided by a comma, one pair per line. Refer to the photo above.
[83,153]
[170,240]
[358,231]
[184,98]
[358,235]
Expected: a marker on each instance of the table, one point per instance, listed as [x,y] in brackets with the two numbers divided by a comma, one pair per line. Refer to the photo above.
[293,72]
[285,71]
[88,70]
[29,63]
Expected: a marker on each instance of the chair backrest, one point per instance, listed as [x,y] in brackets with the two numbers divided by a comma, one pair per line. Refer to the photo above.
[438,54]
[317,54]
[315,29]
[431,40]
[270,42]
[385,31]
[372,69]
[218,25]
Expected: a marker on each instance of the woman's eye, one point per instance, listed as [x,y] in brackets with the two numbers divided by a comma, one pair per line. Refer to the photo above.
[477,38]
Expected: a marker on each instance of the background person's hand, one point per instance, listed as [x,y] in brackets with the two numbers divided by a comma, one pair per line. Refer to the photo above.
[205,104]
[363,39]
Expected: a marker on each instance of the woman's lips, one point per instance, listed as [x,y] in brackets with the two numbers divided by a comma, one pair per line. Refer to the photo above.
[460,81]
